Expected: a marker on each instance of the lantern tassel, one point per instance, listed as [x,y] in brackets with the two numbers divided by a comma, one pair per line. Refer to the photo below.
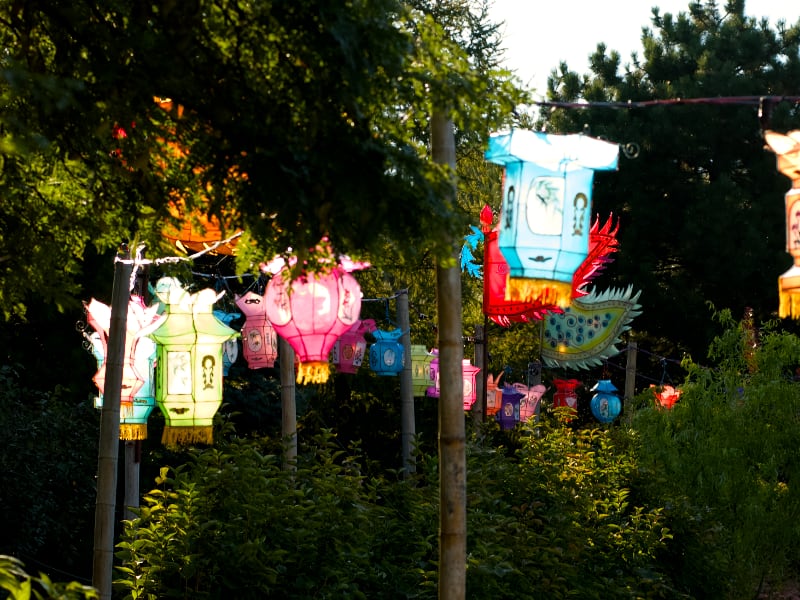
[186,436]
[544,291]
[312,372]
[132,431]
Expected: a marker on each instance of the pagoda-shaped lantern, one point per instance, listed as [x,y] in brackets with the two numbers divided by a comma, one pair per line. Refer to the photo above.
[468,374]
[605,404]
[546,211]
[312,310]
[386,354]
[565,395]
[494,393]
[532,395]
[432,390]
[137,398]
[508,415]
[420,369]
[259,340]
[787,147]
[350,349]
[189,373]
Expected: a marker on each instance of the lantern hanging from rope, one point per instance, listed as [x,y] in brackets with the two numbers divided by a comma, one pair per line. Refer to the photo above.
[605,403]
[546,211]
[349,350]
[494,393]
[508,415]
[787,147]
[468,374]
[420,369]
[312,310]
[259,340]
[565,395]
[666,395]
[386,354]
[189,375]
[137,397]
[230,349]
[432,390]
[532,395]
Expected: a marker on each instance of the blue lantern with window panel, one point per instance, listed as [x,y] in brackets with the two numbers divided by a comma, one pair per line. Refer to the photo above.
[386,354]
[546,210]
[605,404]
[508,415]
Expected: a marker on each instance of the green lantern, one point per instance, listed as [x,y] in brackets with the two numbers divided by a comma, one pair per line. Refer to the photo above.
[189,362]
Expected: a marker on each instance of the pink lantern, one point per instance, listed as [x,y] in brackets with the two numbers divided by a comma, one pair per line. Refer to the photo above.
[349,350]
[433,388]
[468,374]
[310,313]
[529,405]
[259,340]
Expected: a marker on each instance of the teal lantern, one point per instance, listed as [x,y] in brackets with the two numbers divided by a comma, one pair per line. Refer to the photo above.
[386,354]
[605,404]
[547,205]
[189,362]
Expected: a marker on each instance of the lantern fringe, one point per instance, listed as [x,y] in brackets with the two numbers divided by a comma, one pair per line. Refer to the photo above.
[544,291]
[133,431]
[312,372]
[125,410]
[185,436]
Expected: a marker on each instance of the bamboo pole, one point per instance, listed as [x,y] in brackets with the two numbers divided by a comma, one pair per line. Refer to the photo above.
[408,428]
[288,404]
[108,451]
[452,438]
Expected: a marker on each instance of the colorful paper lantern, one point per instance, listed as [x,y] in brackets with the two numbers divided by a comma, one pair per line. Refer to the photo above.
[546,212]
[508,415]
[565,395]
[468,374]
[787,147]
[494,393]
[666,395]
[532,395]
[420,369]
[432,390]
[137,397]
[189,374]
[259,339]
[605,404]
[349,350]
[386,354]
[230,349]
[310,313]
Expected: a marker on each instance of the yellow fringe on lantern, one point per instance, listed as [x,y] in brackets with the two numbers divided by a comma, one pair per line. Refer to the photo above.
[312,372]
[185,436]
[545,291]
[133,431]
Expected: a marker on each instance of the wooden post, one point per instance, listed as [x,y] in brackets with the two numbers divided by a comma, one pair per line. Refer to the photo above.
[408,427]
[133,453]
[479,408]
[452,437]
[108,451]
[288,405]
[630,379]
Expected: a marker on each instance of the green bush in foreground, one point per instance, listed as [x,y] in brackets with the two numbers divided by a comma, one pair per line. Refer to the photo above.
[16,584]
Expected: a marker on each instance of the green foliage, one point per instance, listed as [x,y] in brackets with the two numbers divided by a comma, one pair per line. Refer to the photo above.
[724,463]
[16,584]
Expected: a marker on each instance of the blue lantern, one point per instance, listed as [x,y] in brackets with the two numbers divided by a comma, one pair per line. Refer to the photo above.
[546,211]
[508,415]
[386,354]
[605,404]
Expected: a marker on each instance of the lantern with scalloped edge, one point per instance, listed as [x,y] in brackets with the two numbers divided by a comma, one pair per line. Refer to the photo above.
[468,374]
[565,395]
[546,210]
[259,340]
[508,415]
[787,147]
[605,404]
[351,347]
[529,405]
[386,354]
[189,372]
[310,313]
[420,369]
[137,398]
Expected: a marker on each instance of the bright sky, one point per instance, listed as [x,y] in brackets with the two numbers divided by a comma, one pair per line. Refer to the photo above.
[539,34]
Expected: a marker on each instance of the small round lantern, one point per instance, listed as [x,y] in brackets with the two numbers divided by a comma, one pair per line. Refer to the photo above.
[605,404]
[349,350]
[420,369]
[310,313]
[189,375]
[565,395]
[508,415]
[386,354]
[259,340]
[468,375]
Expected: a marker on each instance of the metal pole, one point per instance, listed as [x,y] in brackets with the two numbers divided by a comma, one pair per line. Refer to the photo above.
[288,405]
[408,427]
[103,560]
[479,408]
